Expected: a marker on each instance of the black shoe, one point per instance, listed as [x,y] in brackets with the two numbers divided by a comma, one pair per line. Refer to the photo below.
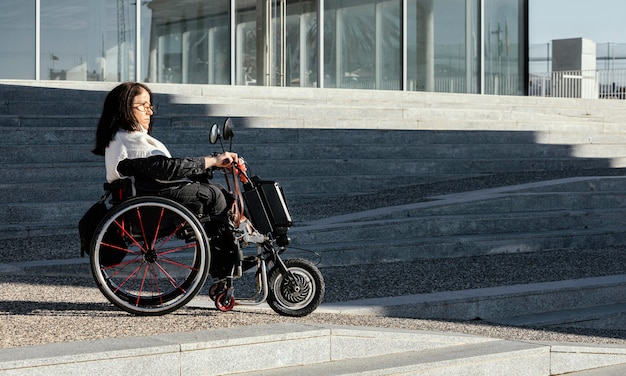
[225,253]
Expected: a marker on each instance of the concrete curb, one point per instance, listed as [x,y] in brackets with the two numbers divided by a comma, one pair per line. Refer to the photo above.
[313,349]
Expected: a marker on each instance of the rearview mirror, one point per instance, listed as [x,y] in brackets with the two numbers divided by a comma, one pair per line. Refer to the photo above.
[228,129]
[214,134]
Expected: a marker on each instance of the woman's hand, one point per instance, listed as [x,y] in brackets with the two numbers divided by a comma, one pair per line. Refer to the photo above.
[225,159]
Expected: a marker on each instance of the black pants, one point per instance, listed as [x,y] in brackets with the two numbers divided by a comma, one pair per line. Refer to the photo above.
[201,198]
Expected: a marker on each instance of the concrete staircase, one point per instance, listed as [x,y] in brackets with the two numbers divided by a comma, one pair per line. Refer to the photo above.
[338,154]
[569,213]
[338,146]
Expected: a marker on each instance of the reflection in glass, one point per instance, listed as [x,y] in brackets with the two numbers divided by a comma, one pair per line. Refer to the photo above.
[87,41]
[17,39]
[189,41]
[246,37]
[362,45]
[294,43]
[505,47]
[277,45]
[443,46]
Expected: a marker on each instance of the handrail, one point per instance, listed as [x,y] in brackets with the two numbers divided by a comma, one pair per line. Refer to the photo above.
[590,84]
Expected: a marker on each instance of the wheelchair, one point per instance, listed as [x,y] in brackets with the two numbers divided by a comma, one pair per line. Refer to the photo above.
[150,255]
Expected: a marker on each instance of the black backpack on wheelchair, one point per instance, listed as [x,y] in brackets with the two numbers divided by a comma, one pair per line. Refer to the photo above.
[119,190]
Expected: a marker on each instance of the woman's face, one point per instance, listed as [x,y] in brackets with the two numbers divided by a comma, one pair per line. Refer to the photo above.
[142,109]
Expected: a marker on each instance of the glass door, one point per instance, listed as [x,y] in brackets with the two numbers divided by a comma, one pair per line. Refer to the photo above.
[292,52]
[277,43]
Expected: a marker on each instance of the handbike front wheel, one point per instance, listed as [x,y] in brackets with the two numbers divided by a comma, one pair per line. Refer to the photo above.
[150,256]
[297,296]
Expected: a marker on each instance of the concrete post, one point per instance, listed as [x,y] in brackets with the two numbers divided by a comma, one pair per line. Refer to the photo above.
[574,68]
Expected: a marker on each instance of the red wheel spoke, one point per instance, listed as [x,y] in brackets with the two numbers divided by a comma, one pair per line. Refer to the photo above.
[171,279]
[143,232]
[143,280]
[130,276]
[156,284]
[169,237]
[117,247]
[158,227]
[176,263]
[132,238]
[177,249]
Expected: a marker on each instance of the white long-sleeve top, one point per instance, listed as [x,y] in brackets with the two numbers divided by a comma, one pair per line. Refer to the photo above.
[131,145]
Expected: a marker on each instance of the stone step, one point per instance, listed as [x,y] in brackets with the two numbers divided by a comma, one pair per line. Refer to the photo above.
[42,202]
[580,192]
[570,131]
[528,203]
[270,138]
[465,224]
[258,154]
[89,173]
[334,117]
[305,349]
[497,357]
[611,370]
[354,251]
[446,160]
[90,188]
[608,316]
[219,94]
[493,304]
[20,100]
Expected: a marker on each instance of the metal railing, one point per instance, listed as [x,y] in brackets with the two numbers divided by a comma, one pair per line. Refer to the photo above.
[594,84]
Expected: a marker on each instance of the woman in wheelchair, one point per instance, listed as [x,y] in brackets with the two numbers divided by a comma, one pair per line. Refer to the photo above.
[123,138]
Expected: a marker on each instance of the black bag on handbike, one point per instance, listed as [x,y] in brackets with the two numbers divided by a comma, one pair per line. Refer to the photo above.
[268,209]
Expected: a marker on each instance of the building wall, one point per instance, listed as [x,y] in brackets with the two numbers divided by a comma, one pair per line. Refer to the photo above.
[464,46]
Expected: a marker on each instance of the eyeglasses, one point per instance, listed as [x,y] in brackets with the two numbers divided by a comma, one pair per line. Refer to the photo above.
[144,107]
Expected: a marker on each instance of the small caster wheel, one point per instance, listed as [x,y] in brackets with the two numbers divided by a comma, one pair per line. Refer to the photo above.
[224,304]
[216,289]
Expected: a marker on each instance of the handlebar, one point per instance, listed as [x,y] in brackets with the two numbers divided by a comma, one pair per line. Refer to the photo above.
[237,168]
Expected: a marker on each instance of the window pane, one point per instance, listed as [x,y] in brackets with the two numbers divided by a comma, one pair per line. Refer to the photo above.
[247,72]
[289,56]
[87,41]
[310,64]
[443,46]
[362,45]
[17,39]
[300,48]
[186,41]
[505,54]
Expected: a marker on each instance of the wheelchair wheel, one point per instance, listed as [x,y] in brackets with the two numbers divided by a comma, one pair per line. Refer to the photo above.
[297,297]
[150,256]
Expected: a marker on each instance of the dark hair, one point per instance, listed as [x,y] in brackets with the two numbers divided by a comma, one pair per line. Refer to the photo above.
[117,113]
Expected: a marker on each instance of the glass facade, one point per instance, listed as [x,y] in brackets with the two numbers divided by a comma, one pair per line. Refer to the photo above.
[459,46]
[17,40]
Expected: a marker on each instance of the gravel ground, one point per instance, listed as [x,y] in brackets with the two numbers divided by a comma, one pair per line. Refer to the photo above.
[52,304]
